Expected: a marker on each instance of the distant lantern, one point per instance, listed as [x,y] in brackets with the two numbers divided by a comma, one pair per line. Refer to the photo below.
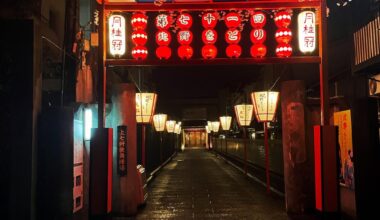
[170,126]
[139,21]
[163,21]
[159,122]
[265,104]
[145,106]
[233,51]
[209,36]
[177,128]
[215,126]
[225,122]
[258,50]
[284,50]
[140,52]
[258,36]
[258,20]
[163,52]
[306,31]
[232,20]
[209,124]
[209,19]
[209,51]
[163,38]
[116,33]
[185,52]
[282,19]
[184,37]
[208,130]
[244,114]
[139,37]
[184,21]
[233,36]
[283,35]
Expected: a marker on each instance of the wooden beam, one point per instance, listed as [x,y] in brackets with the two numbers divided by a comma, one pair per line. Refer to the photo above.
[217,61]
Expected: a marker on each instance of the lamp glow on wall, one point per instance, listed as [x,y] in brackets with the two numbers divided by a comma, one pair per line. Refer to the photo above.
[225,122]
[265,104]
[159,122]
[170,126]
[145,106]
[116,34]
[215,126]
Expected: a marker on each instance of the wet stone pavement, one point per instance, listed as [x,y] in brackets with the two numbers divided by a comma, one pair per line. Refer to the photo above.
[198,185]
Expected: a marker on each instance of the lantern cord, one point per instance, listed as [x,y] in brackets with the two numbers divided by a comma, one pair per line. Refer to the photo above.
[278,78]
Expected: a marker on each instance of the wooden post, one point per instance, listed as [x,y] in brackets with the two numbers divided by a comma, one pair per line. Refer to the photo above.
[266,156]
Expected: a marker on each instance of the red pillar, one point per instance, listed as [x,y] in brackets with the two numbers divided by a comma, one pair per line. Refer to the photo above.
[125,114]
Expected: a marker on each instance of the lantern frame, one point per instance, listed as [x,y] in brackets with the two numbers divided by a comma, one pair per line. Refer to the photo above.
[244,122]
[145,117]
[225,122]
[264,115]
[170,126]
[159,122]
[215,126]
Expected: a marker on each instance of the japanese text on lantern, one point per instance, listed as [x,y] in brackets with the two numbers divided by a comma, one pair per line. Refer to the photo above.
[122,150]
[306,31]
[116,29]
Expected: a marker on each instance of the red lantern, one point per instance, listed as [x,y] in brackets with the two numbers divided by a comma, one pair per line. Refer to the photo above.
[233,51]
[209,36]
[139,37]
[209,51]
[283,35]
[139,21]
[258,36]
[163,21]
[284,50]
[185,52]
[163,38]
[282,19]
[139,52]
[258,20]
[184,21]
[185,37]
[209,19]
[258,50]
[232,36]
[232,20]
[163,52]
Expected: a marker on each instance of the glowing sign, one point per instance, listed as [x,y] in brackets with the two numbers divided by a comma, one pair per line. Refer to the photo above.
[306,31]
[116,33]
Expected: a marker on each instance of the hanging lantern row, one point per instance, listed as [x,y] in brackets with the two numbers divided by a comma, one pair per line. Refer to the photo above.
[209,20]
[163,36]
[184,36]
[209,35]
[258,35]
[139,37]
[233,35]
[283,34]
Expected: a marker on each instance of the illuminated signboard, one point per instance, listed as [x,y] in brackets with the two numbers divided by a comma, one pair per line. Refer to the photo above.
[306,31]
[116,33]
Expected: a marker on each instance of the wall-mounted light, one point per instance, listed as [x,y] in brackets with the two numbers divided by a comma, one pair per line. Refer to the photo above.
[87,123]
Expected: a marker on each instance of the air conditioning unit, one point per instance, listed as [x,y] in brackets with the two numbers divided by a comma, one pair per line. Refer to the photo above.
[374,85]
